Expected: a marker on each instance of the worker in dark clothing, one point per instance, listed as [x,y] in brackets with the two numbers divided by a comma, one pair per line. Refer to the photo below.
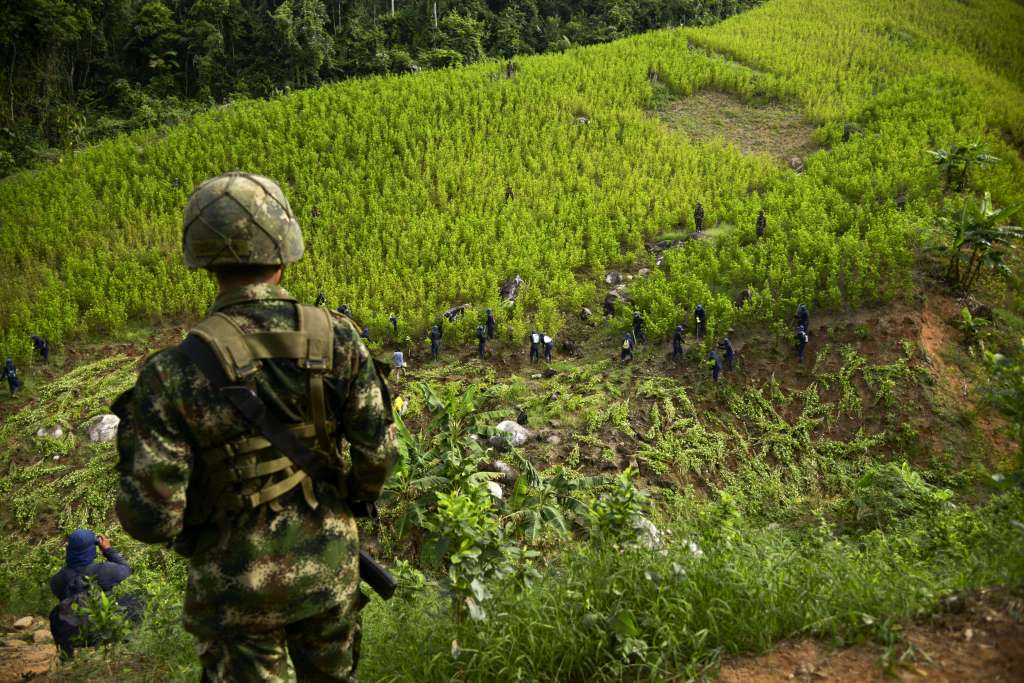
[627,347]
[727,352]
[586,316]
[762,223]
[365,334]
[715,364]
[677,343]
[698,217]
[638,327]
[534,346]
[11,375]
[435,341]
[345,310]
[701,318]
[79,574]
[549,345]
[321,299]
[42,347]
[801,342]
[803,317]
[609,307]
[492,324]
[481,339]
[393,319]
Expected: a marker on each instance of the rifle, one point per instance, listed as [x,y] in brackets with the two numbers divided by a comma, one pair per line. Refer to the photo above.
[370,571]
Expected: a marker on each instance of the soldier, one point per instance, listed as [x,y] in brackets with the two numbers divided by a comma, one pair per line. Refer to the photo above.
[715,364]
[801,342]
[345,310]
[549,344]
[321,299]
[230,448]
[365,334]
[803,317]
[435,341]
[42,347]
[727,351]
[11,375]
[627,348]
[492,324]
[481,338]
[762,223]
[677,343]
[638,327]
[698,217]
[534,346]
[701,318]
[393,319]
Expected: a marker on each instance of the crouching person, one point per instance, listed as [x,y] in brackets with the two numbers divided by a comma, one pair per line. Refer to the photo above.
[73,583]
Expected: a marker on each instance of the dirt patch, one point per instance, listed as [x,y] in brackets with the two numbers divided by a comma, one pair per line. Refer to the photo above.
[982,641]
[779,130]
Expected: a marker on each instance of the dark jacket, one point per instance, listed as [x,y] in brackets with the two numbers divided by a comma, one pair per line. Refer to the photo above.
[106,575]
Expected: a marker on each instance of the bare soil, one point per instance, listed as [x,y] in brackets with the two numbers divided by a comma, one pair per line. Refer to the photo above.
[981,641]
[779,130]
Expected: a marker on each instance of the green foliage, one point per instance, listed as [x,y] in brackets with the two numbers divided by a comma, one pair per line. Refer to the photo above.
[889,492]
[957,161]
[415,216]
[978,241]
[1006,393]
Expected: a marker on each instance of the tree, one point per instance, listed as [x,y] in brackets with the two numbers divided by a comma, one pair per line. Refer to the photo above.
[978,241]
[957,161]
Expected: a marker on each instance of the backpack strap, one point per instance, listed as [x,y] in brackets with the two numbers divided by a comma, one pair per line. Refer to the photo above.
[318,328]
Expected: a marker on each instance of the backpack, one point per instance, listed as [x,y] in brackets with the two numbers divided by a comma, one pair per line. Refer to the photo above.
[66,623]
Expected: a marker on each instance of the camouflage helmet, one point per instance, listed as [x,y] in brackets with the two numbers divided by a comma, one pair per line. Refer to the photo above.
[240,219]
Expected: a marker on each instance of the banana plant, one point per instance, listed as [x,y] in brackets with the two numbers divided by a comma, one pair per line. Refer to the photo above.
[956,162]
[978,241]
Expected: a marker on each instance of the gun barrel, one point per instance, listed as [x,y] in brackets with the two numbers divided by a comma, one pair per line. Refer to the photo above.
[378,578]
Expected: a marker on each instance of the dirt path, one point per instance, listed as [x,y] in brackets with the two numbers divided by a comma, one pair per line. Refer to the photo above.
[979,639]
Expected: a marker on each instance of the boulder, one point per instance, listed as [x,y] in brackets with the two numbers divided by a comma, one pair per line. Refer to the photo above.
[509,474]
[648,536]
[103,428]
[42,636]
[613,277]
[554,439]
[54,432]
[510,289]
[797,164]
[643,272]
[518,435]
[24,624]
[494,488]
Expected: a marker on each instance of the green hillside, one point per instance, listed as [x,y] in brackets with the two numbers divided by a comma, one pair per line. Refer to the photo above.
[420,192]
[658,523]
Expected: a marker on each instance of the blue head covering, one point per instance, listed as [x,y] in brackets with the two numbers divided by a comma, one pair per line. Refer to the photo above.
[81,548]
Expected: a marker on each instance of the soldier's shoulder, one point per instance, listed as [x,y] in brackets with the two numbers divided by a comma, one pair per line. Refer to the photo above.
[164,362]
[344,326]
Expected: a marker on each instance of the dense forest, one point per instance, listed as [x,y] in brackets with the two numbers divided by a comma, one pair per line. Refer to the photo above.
[75,71]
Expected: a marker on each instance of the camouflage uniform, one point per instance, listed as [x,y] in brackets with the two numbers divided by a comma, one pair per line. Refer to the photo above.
[278,573]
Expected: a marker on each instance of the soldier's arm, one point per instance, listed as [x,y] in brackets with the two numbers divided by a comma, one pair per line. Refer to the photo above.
[155,459]
[366,421]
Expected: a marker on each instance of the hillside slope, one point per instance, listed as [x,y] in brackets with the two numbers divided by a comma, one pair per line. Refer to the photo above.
[420,192]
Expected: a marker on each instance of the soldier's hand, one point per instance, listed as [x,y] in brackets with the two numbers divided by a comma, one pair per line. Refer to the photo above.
[103,542]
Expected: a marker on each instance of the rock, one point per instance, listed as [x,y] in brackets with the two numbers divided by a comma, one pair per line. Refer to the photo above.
[742,298]
[554,439]
[643,272]
[647,535]
[509,474]
[550,372]
[510,289]
[494,488]
[499,443]
[536,375]
[54,432]
[14,643]
[613,277]
[42,636]
[103,428]
[24,624]
[455,312]
[797,164]
[517,434]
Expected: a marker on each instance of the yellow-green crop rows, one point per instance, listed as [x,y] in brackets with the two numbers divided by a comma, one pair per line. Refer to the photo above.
[402,183]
